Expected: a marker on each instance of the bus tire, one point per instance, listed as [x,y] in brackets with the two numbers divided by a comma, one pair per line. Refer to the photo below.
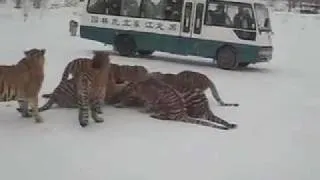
[243,64]
[145,52]
[227,58]
[125,45]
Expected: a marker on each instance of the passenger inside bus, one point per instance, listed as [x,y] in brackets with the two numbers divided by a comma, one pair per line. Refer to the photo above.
[243,19]
[130,8]
[162,9]
[97,6]
[219,17]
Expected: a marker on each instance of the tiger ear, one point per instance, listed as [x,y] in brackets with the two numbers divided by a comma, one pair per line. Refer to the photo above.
[43,51]
[26,53]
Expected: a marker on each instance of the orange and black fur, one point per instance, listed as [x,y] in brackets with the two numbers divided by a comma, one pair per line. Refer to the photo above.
[191,80]
[91,88]
[166,103]
[22,82]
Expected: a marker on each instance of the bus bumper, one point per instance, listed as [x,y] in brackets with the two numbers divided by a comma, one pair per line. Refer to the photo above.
[264,54]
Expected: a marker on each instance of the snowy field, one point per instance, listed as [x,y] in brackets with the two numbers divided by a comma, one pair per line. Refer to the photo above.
[278,116]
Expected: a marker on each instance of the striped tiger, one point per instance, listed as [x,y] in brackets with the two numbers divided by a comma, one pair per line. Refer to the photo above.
[118,73]
[91,88]
[22,82]
[64,96]
[130,73]
[191,80]
[166,103]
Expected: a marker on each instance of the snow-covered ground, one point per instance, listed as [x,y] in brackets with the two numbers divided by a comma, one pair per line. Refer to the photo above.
[278,116]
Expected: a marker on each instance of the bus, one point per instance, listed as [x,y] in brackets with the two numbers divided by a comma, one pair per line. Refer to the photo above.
[233,33]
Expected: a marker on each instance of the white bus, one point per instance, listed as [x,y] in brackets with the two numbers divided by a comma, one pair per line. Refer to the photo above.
[232,32]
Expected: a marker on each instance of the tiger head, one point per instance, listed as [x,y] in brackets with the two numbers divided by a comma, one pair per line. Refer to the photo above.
[36,55]
[100,60]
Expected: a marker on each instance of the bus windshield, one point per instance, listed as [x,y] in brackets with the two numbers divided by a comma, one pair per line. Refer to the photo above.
[230,14]
[263,19]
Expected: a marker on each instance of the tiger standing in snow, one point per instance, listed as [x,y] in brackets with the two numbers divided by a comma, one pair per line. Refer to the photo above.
[22,82]
[91,88]
[166,103]
[191,80]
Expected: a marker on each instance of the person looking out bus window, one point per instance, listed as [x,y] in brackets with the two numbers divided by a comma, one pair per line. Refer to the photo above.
[130,8]
[219,17]
[243,19]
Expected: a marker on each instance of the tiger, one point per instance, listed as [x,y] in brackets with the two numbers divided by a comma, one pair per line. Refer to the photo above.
[166,103]
[64,96]
[130,73]
[118,73]
[22,82]
[191,80]
[91,88]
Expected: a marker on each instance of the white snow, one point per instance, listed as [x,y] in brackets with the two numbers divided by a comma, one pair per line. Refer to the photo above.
[278,116]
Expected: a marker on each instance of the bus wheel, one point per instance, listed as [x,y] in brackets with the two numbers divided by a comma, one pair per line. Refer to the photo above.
[227,58]
[145,52]
[125,45]
[243,64]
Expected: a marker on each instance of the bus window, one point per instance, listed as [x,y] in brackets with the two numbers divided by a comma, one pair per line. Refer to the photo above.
[97,6]
[162,9]
[228,14]
[243,19]
[130,8]
[216,15]
[263,19]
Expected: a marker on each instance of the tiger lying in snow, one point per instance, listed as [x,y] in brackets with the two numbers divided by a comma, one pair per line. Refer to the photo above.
[167,103]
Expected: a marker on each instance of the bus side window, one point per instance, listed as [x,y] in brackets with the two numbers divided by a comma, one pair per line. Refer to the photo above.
[114,7]
[97,6]
[162,10]
[173,10]
[216,15]
[111,7]
[130,8]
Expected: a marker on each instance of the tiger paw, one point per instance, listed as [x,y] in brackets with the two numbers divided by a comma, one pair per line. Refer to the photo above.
[144,110]
[83,123]
[232,126]
[119,105]
[26,114]
[98,119]
[98,111]
[38,119]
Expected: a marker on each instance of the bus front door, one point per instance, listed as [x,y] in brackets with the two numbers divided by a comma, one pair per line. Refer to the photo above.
[191,25]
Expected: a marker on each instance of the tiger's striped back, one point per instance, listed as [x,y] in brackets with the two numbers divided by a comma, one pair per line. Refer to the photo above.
[64,95]
[165,99]
[128,73]
[75,67]
[172,104]
[191,80]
